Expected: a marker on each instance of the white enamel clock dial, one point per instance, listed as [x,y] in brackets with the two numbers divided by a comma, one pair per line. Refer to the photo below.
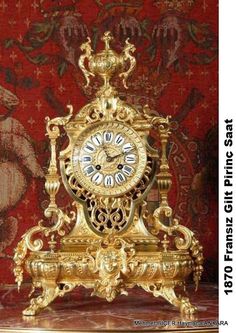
[109,159]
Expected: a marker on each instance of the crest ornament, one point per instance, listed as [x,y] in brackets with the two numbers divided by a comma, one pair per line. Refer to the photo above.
[108,169]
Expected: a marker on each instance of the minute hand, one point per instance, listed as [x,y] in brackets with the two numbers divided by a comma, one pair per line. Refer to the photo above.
[118,155]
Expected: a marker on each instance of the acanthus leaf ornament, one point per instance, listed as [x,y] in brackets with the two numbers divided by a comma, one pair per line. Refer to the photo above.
[108,168]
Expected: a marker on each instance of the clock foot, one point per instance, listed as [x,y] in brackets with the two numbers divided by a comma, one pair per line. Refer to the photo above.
[168,293]
[183,303]
[50,292]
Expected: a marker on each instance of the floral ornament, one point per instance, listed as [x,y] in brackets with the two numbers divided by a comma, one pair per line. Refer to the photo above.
[123,27]
[67,31]
[172,33]
[121,19]
[72,31]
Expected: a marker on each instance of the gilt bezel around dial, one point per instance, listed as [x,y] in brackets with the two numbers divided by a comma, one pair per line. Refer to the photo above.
[109,158]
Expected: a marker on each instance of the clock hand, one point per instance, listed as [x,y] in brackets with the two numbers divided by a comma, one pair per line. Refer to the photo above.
[113,157]
[105,150]
[109,158]
[118,155]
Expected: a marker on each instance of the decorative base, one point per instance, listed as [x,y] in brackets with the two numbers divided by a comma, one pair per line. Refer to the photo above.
[115,243]
[110,272]
[51,291]
[79,312]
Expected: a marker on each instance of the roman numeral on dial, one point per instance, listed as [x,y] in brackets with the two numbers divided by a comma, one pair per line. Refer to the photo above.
[127,147]
[119,139]
[120,178]
[97,139]
[89,147]
[108,136]
[86,159]
[128,170]
[89,170]
[130,158]
[109,181]
[97,178]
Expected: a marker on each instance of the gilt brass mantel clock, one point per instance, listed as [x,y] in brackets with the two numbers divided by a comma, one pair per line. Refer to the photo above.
[108,169]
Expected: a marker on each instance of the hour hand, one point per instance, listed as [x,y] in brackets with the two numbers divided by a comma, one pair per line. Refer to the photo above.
[107,155]
[105,150]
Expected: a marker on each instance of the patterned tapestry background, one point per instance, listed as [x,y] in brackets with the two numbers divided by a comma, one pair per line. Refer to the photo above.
[176,43]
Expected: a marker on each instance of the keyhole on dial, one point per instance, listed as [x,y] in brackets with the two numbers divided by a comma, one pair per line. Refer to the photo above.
[120,166]
[98,167]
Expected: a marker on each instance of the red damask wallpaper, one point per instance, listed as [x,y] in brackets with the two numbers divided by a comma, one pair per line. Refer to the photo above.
[176,43]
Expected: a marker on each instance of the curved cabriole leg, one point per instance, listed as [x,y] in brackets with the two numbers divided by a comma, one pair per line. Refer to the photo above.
[168,293]
[50,292]
[181,302]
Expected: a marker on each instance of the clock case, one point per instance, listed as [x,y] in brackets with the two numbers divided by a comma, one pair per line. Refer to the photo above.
[115,243]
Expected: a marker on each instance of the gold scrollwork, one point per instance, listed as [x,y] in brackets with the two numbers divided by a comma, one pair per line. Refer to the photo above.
[28,242]
[116,111]
[187,242]
[110,247]
[87,55]
[109,214]
[128,49]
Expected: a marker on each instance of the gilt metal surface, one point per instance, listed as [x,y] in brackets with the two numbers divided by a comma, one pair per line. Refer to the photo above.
[108,168]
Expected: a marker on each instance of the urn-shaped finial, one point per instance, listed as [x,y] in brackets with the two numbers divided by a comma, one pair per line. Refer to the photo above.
[107,62]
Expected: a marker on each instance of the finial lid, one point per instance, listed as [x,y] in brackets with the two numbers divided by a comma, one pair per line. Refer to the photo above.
[107,38]
[107,62]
